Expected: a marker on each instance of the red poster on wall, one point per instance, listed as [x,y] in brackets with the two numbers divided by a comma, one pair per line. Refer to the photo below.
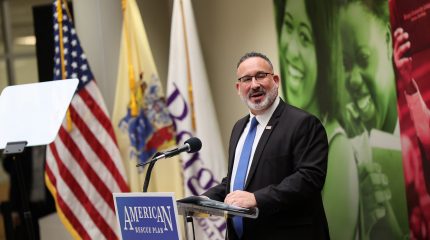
[410,21]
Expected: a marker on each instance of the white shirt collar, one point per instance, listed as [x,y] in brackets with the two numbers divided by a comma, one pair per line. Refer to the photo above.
[264,118]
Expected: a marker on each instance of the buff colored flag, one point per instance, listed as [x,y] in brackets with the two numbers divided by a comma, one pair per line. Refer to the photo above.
[190,103]
[142,122]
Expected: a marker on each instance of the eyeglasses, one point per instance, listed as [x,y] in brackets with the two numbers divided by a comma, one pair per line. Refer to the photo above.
[259,76]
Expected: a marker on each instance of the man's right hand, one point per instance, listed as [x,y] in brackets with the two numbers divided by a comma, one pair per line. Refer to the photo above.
[241,199]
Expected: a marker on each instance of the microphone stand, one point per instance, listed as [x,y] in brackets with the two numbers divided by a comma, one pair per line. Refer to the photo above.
[196,145]
[148,172]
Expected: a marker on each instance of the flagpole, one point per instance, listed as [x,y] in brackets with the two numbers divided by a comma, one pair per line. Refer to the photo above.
[187,56]
[131,78]
[63,67]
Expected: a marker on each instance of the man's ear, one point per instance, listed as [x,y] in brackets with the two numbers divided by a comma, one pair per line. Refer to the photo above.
[238,88]
[277,79]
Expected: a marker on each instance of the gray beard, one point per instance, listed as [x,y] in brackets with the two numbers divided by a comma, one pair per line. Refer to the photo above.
[265,103]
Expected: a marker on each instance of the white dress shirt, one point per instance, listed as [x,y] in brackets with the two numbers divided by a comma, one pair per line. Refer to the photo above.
[263,120]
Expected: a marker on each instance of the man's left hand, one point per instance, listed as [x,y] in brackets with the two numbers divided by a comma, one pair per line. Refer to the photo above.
[241,199]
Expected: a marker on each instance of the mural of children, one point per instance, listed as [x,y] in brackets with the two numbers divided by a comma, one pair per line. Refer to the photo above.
[335,60]
[369,79]
[309,51]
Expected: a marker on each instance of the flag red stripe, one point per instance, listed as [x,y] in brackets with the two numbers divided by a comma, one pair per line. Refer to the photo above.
[65,208]
[89,172]
[48,170]
[80,194]
[98,113]
[99,149]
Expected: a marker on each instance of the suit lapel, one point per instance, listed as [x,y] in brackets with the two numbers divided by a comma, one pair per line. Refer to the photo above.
[237,132]
[263,141]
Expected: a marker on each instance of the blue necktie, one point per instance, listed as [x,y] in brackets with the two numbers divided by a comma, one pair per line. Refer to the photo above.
[242,168]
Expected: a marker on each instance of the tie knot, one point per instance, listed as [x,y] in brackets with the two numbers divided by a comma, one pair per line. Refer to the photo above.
[254,123]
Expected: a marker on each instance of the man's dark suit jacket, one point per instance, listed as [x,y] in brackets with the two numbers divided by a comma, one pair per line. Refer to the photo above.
[286,176]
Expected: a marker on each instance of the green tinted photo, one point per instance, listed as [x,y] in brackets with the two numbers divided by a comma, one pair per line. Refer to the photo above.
[335,62]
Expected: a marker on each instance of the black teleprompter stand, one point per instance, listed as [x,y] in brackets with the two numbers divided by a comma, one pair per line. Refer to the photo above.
[15,150]
[47,104]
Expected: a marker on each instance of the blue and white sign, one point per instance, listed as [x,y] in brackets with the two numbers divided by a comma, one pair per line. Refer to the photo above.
[147,216]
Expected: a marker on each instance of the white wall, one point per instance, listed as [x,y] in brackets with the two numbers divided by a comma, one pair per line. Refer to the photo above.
[98,24]
[227,30]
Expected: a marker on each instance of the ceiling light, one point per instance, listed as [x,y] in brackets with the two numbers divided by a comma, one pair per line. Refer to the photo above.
[27,41]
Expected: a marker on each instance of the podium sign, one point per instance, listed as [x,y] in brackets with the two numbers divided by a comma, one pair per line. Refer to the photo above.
[147,216]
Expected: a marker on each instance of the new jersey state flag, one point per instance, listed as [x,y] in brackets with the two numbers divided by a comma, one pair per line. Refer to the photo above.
[142,122]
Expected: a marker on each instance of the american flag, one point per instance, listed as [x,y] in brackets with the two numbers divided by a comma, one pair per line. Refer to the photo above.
[83,165]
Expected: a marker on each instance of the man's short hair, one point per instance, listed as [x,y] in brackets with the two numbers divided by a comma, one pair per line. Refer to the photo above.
[254,54]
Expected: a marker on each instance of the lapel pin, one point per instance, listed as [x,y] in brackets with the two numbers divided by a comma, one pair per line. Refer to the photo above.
[268,127]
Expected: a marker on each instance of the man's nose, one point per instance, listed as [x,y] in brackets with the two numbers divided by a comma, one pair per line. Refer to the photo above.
[255,83]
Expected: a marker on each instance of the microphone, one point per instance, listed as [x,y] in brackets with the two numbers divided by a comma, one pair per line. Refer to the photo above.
[192,145]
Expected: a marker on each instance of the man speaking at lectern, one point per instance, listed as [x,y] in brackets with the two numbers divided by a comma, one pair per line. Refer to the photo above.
[277,162]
